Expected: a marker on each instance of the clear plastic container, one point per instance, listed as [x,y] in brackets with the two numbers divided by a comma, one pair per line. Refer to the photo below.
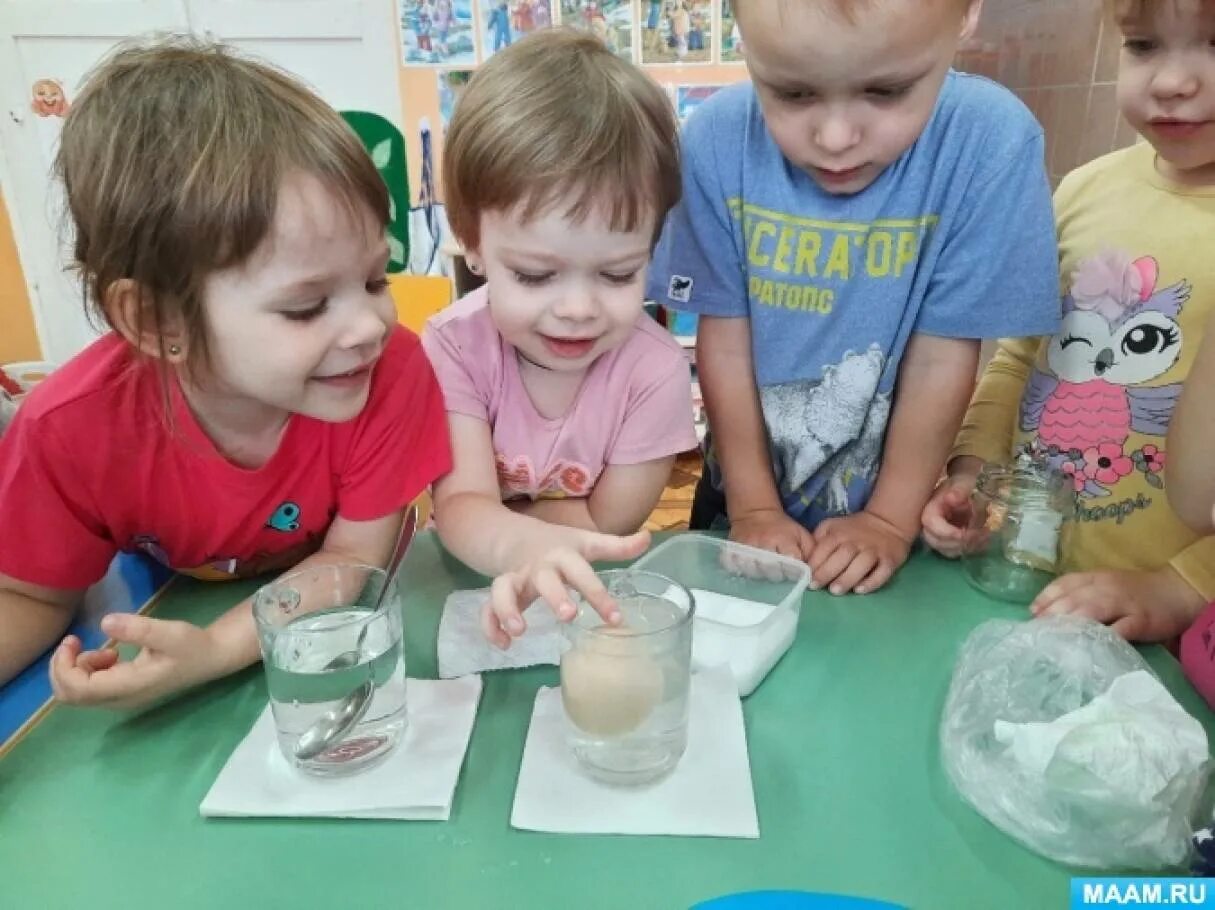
[747,601]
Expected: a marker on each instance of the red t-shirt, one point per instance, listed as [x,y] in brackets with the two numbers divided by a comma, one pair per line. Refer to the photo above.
[92,466]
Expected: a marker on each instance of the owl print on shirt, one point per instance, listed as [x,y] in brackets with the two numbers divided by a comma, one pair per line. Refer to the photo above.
[1120,333]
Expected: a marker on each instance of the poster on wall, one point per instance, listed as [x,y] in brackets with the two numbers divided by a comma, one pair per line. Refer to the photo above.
[451,84]
[683,31]
[690,97]
[506,21]
[436,32]
[731,41]
[610,20]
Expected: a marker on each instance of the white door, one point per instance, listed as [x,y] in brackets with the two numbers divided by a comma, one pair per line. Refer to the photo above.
[60,41]
[343,48]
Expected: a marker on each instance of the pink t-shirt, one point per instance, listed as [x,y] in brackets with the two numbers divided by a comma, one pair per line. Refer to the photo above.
[1197,654]
[91,466]
[635,404]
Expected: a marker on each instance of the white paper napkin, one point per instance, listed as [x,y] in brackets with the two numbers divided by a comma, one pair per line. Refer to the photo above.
[750,652]
[708,794]
[463,647]
[416,781]
[1133,739]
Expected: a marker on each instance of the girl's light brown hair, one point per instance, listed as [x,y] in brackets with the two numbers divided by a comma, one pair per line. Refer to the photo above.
[558,116]
[1138,11]
[172,157]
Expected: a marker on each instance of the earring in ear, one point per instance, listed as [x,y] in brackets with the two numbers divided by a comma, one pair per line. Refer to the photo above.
[474,268]
[174,350]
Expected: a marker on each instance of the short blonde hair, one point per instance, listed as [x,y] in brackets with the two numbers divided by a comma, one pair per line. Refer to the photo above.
[172,158]
[558,115]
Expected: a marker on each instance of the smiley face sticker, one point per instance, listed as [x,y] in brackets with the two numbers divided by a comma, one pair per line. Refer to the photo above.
[48,98]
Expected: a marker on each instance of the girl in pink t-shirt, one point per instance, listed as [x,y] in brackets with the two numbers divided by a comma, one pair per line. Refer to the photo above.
[567,404]
[254,406]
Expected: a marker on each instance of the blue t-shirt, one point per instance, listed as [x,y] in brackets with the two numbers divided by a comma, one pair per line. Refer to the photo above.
[956,238]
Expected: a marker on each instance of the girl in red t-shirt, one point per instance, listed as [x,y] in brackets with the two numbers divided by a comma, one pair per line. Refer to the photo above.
[254,403]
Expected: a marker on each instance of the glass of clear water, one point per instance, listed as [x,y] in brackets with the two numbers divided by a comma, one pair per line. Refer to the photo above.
[625,688]
[322,647]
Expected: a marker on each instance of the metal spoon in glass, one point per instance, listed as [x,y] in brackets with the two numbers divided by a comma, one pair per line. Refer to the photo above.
[331,726]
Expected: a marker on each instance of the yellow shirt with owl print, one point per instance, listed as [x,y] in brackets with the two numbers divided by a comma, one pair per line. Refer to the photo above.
[1137,259]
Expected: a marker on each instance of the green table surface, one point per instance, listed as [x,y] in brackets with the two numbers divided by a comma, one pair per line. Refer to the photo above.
[101,810]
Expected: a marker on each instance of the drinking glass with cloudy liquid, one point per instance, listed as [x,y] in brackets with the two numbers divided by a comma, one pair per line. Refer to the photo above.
[625,688]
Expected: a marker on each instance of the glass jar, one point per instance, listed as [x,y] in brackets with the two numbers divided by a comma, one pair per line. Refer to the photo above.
[1019,517]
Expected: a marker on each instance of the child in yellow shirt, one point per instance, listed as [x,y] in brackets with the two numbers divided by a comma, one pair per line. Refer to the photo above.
[1095,400]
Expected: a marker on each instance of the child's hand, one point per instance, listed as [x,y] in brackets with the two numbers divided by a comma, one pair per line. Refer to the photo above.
[1139,606]
[947,515]
[772,529]
[561,558]
[173,656]
[856,553]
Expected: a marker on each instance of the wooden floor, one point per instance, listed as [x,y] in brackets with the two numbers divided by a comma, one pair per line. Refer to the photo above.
[672,510]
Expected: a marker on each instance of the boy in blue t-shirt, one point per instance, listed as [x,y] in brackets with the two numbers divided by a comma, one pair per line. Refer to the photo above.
[852,223]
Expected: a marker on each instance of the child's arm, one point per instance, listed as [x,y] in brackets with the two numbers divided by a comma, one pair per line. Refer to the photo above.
[986,436]
[571,512]
[529,557]
[861,552]
[1139,605]
[740,440]
[176,655]
[33,618]
[626,494]
[622,500]
[1191,442]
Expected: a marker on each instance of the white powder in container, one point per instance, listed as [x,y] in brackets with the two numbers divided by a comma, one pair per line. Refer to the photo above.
[749,636]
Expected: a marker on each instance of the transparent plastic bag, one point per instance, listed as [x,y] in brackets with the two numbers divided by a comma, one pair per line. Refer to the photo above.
[1033,737]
